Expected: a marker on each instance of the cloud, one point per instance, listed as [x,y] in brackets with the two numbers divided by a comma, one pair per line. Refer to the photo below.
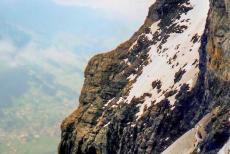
[129,9]
[57,59]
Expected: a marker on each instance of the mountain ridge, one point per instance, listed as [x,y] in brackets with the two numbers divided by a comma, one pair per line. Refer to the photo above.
[146,94]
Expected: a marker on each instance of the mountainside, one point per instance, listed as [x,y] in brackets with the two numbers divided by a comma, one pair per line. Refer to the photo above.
[166,90]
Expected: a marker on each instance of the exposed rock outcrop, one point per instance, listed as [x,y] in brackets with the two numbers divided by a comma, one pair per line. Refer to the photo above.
[143,97]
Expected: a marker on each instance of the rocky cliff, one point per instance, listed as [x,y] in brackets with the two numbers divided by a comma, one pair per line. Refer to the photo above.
[165,90]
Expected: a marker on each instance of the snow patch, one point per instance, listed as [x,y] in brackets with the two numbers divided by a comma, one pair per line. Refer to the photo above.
[106,125]
[132,77]
[108,102]
[188,142]
[225,149]
[174,58]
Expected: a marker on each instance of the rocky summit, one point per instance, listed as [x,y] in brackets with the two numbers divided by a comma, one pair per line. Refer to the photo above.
[165,90]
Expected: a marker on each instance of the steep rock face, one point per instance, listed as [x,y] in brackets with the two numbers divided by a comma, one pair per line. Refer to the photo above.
[219,37]
[146,95]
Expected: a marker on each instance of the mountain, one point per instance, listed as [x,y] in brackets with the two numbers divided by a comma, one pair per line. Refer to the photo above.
[165,90]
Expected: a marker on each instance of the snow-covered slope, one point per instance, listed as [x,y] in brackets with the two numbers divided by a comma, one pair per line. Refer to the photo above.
[188,143]
[225,149]
[173,61]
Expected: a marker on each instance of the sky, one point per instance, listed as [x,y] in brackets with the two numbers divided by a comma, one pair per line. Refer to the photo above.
[79,21]
[64,32]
